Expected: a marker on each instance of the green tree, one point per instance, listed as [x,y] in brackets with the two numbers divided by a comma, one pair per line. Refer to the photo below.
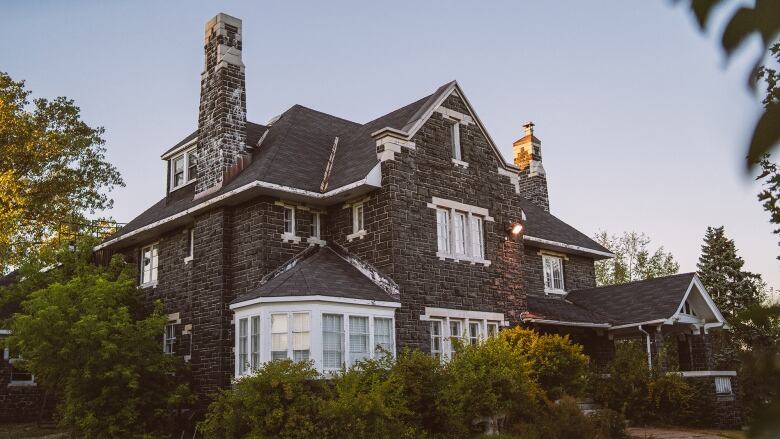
[634,260]
[87,338]
[52,170]
[720,269]
[769,197]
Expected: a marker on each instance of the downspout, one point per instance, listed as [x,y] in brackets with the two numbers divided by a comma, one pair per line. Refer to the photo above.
[649,353]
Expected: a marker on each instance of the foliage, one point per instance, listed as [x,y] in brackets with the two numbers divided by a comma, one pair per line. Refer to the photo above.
[52,170]
[744,20]
[491,382]
[670,399]
[87,338]
[609,424]
[557,364]
[282,399]
[626,389]
[633,259]
[367,401]
[769,197]
[562,419]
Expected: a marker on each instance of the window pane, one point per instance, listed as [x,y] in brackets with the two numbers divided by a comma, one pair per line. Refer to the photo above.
[315,225]
[443,230]
[289,220]
[436,338]
[279,340]
[383,335]
[243,364]
[169,338]
[474,331]
[332,341]
[455,140]
[154,263]
[192,169]
[460,233]
[255,363]
[456,333]
[178,171]
[146,262]
[301,336]
[358,339]
[357,221]
[477,244]
[492,329]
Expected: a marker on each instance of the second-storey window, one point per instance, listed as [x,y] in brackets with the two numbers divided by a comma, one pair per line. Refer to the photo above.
[443,230]
[460,235]
[357,218]
[149,258]
[190,250]
[315,225]
[169,338]
[553,274]
[289,220]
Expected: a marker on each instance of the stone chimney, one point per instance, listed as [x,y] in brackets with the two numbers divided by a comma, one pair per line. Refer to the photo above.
[528,157]
[222,114]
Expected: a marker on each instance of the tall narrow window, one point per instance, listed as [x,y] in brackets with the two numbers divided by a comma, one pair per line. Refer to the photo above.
[460,233]
[300,336]
[456,334]
[177,171]
[169,338]
[358,339]
[357,218]
[455,140]
[149,258]
[436,345]
[443,230]
[289,220]
[315,225]
[383,336]
[332,341]
[255,342]
[474,332]
[553,274]
[279,340]
[192,164]
[190,250]
[243,364]
[477,240]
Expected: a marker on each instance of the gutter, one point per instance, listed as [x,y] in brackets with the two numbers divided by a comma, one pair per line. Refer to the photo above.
[568,246]
[640,324]
[649,352]
[236,191]
[564,323]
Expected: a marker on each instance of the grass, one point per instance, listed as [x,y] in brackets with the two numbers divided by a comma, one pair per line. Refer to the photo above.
[30,430]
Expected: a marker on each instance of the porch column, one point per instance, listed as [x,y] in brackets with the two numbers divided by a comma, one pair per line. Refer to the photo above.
[657,350]
[701,351]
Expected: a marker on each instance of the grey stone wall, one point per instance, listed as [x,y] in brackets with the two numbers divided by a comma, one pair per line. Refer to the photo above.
[19,403]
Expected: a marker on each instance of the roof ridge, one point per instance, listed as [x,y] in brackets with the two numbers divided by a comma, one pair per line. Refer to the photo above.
[634,282]
[325,114]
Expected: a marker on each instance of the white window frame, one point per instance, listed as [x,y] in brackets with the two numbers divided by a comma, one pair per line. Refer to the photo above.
[291,221]
[444,317]
[457,151]
[464,229]
[390,348]
[186,158]
[316,226]
[316,310]
[358,218]
[11,361]
[352,357]
[169,338]
[437,352]
[154,262]
[554,260]
[254,341]
[191,248]
[343,338]
[242,346]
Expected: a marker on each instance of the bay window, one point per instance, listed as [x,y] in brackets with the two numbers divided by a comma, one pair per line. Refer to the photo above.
[358,339]
[332,341]
[383,335]
[300,336]
[243,364]
[553,274]
[255,341]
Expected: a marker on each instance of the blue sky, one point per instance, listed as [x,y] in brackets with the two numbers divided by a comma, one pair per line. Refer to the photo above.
[643,123]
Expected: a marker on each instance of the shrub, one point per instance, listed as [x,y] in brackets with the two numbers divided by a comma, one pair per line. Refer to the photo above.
[366,401]
[562,419]
[670,399]
[490,382]
[557,364]
[282,399]
[609,424]
[627,388]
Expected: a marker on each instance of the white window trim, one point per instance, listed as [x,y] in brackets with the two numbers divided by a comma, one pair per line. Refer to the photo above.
[191,237]
[150,283]
[172,339]
[445,315]
[358,232]
[551,290]
[460,163]
[315,310]
[7,357]
[316,239]
[289,236]
[457,148]
[187,179]
[454,208]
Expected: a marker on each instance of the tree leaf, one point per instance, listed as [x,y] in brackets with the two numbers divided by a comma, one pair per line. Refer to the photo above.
[766,134]
[741,25]
[702,10]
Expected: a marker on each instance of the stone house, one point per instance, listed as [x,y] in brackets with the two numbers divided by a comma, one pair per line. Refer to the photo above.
[315,237]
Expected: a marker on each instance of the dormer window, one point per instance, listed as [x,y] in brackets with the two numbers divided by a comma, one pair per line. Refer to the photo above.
[184,168]
[553,274]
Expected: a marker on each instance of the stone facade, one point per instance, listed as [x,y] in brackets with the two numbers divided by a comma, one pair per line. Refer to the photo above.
[20,402]
[578,271]
[222,113]
[719,411]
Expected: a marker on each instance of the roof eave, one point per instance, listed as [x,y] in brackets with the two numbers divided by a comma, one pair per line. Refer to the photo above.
[571,248]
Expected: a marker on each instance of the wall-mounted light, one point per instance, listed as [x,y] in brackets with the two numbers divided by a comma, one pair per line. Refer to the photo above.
[514,230]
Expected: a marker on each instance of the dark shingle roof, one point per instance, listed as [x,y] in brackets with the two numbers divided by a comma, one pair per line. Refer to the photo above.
[322,273]
[544,225]
[635,302]
[562,310]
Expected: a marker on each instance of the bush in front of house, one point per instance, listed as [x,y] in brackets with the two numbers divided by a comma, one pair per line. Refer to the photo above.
[488,384]
[559,365]
[282,399]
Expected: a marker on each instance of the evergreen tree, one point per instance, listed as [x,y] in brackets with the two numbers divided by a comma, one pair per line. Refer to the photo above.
[720,270]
